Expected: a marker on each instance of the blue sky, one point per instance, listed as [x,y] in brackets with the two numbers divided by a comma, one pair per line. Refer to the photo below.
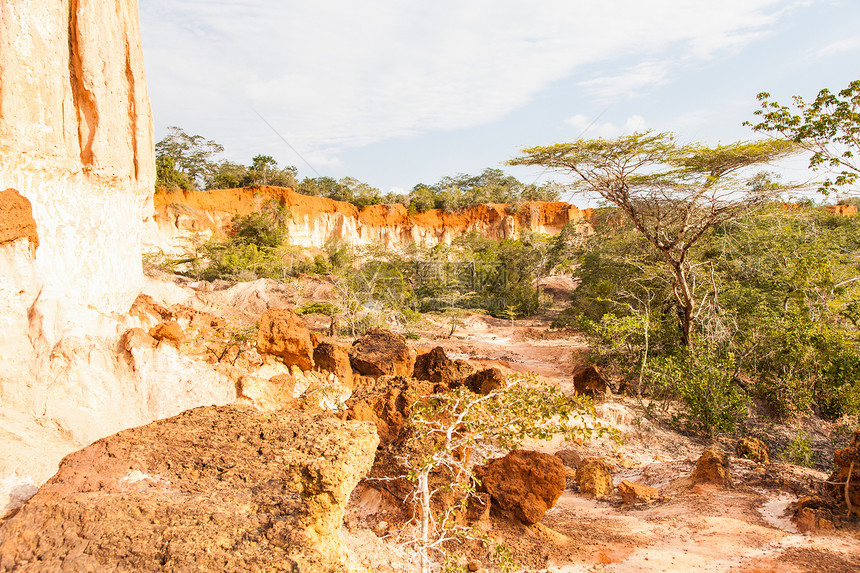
[398,92]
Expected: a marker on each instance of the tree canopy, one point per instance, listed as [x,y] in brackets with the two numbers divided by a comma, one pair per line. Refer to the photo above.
[671,193]
[828,127]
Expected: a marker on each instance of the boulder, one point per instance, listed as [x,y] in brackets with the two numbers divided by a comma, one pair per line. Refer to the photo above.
[523,483]
[381,352]
[276,393]
[283,333]
[753,449]
[589,381]
[594,477]
[387,403]
[632,492]
[570,458]
[212,489]
[485,381]
[436,367]
[713,467]
[329,357]
[168,331]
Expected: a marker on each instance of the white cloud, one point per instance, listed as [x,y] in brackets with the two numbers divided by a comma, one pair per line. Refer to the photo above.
[588,127]
[335,73]
[629,82]
[844,46]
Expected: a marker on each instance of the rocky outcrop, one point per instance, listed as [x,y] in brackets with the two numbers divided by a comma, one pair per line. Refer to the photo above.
[180,215]
[633,492]
[594,477]
[283,333]
[16,219]
[712,467]
[329,357]
[753,449]
[215,489]
[77,169]
[589,381]
[381,352]
[76,141]
[485,381]
[523,483]
[436,367]
[387,403]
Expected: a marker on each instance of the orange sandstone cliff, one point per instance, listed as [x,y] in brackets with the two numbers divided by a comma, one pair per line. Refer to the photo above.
[314,220]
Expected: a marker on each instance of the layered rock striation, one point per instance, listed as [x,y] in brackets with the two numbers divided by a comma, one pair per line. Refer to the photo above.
[182,215]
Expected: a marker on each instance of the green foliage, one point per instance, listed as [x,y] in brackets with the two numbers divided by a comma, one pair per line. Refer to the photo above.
[184,161]
[263,170]
[463,191]
[671,194]
[442,426]
[776,295]
[705,384]
[828,127]
[799,451]
[324,308]
[257,249]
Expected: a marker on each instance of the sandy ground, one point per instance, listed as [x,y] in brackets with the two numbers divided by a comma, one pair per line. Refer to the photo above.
[744,529]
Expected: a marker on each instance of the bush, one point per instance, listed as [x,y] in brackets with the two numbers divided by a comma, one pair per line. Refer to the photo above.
[713,401]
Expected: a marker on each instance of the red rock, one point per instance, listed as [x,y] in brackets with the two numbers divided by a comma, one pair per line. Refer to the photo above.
[169,331]
[753,449]
[381,352]
[485,381]
[523,483]
[594,477]
[436,367]
[387,402]
[713,467]
[589,381]
[329,357]
[632,492]
[284,334]
[213,489]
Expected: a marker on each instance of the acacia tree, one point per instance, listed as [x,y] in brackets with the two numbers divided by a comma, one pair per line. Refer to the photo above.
[184,160]
[671,193]
[828,127]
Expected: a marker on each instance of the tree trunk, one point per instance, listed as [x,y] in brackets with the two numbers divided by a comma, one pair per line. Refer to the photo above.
[424,488]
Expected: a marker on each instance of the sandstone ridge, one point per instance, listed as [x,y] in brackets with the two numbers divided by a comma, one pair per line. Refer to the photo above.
[180,215]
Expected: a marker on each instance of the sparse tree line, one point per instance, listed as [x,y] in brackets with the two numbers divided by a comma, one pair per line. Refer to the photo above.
[189,162]
[700,286]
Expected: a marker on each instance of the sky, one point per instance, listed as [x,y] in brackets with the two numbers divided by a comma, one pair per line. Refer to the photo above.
[397,92]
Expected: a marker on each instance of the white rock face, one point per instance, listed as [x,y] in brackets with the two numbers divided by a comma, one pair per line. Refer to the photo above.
[76,141]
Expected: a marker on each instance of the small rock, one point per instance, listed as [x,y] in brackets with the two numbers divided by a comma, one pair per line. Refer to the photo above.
[436,367]
[284,334]
[380,352]
[632,492]
[713,467]
[473,565]
[753,449]
[168,331]
[570,458]
[594,477]
[485,381]
[332,358]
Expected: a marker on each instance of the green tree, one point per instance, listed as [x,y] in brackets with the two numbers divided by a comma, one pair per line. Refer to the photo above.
[828,127]
[672,194]
[184,159]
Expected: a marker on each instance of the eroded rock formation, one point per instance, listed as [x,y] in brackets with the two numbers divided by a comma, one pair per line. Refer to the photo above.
[77,169]
[215,488]
[182,214]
